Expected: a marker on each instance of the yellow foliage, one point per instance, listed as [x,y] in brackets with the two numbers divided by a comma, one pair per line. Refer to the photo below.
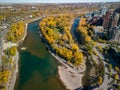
[100,48]
[87,38]
[100,80]
[56,30]
[78,57]
[116,76]
[4,75]
[75,47]
[82,22]
[16,31]
[117,68]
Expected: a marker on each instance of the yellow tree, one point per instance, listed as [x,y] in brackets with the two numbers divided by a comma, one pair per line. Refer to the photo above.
[78,57]
[74,47]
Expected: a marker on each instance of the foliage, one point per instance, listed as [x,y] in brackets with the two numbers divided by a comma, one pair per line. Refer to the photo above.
[117,68]
[16,31]
[100,48]
[4,75]
[83,30]
[11,51]
[74,47]
[116,76]
[56,31]
[100,80]
[78,57]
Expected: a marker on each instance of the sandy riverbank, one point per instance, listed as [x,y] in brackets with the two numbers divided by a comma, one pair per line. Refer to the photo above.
[69,75]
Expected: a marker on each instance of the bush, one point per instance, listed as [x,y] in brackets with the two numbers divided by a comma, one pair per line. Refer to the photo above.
[100,48]
[100,80]
[116,68]
[13,50]
[116,76]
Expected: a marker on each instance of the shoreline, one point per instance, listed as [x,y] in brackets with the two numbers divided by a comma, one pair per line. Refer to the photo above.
[17,69]
[17,54]
[68,74]
[13,75]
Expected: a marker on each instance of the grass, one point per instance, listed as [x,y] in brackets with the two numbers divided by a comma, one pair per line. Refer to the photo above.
[57,31]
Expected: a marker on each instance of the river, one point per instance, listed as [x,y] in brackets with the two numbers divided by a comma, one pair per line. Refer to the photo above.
[37,68]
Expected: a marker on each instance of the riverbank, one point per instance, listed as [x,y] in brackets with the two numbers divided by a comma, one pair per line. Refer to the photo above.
[13,74]
[69,75]
[9,44]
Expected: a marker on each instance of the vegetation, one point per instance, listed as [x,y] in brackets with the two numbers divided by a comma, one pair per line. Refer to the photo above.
[7,59]
[100,80]
[11,51]
[85,32]
[16,32]
[4,75]
[116,76]
[56,30]
[100,48]
[117,68]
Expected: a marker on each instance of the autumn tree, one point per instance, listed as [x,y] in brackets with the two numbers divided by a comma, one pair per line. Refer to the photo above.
[16,32]
[78,57]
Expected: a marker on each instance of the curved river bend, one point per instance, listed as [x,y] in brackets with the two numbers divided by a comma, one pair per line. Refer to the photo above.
[37,68]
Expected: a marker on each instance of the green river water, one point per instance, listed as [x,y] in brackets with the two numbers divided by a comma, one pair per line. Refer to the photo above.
[37,68]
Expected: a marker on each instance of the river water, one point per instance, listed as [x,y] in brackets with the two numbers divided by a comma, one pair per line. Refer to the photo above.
[37,68]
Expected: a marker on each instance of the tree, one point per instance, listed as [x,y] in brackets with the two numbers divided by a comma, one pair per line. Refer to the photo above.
[100,48]
[100,80]
[116,76]
[87,39]
[116,68]
[16,31]
[74,47]
[4,75]
[78,57]
[13,50]
[110,66]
